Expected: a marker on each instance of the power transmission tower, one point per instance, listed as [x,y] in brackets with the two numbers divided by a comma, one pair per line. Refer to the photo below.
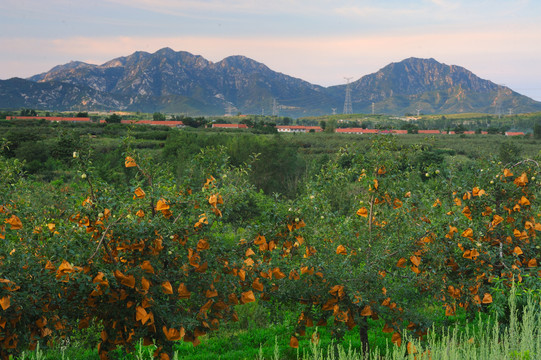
[229,109]
[334,111]
[274,108]
[418,112]
[348,108]
[498,102]
[373,108]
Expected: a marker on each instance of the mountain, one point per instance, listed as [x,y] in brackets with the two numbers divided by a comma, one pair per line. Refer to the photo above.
[172,77]
[171,81]
[16,93]
[432,87]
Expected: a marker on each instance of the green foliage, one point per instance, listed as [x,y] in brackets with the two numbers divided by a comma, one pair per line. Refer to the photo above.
[262,127]
[158,116]
[330,126]
[348,123]
[65,145]
[482,339]
[459,129]
[53,240]
[17,136]
[160,135]
[194,122]
[278,168]
[4,114]
[509,152]
[342,273]
[113,119]
[537,130]
[428,162]
[361,236]
[493,130]
[34,154]
[412,128]
[28,112]
[523,292]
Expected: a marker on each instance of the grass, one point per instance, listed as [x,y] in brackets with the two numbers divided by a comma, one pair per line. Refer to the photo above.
[485,339]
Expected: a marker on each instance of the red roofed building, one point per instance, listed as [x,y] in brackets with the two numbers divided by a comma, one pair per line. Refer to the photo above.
[430,132]
[170,123]
[49,118]
[357,131]
[230,126]
[298,128]
[511,133]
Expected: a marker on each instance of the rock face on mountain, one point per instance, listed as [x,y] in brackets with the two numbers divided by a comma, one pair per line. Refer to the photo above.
[431,87]
[18,93]
[236,83]
[171,81]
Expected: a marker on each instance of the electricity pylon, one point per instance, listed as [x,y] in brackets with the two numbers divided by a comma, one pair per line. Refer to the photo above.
[348,108]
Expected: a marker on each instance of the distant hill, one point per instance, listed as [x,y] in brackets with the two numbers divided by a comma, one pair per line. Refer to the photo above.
[171,81]
[16,93]
[432,87]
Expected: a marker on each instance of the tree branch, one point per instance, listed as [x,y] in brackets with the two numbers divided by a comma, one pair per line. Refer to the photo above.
[105,244]
[524,161]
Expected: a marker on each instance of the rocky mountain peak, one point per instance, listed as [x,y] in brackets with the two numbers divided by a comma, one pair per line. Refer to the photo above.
[178,81]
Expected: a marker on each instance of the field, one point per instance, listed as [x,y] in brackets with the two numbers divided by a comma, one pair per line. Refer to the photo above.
[128,242]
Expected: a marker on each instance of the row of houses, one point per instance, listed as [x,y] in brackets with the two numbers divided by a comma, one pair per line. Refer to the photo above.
[50,118]
[279,128]
[87,119]
[362,131]
[169,123]
[230,126]
[298,129]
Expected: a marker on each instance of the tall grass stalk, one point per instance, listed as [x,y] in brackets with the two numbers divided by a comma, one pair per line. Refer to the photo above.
[520,340]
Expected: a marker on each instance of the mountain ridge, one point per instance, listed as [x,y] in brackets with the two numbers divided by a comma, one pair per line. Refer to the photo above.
[169,80]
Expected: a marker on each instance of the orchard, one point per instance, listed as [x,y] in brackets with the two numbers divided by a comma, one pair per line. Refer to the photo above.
[163,259]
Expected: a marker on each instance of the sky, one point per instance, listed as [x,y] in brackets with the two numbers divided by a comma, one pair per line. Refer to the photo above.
[320,41]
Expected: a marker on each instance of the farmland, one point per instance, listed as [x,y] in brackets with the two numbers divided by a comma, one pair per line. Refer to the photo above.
[117,235]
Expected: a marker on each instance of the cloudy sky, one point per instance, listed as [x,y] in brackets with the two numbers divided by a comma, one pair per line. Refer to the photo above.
[320,41]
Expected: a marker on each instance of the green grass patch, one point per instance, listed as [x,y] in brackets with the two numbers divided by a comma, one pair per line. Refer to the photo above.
[481,339]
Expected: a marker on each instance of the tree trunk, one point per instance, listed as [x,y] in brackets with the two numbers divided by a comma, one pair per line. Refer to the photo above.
[363,335]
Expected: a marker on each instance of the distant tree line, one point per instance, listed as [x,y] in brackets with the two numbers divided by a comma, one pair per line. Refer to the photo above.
[33,112]
[28,112]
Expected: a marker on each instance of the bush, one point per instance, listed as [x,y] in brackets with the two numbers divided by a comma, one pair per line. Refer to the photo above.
[509,152]
[152,135]
[113,119]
